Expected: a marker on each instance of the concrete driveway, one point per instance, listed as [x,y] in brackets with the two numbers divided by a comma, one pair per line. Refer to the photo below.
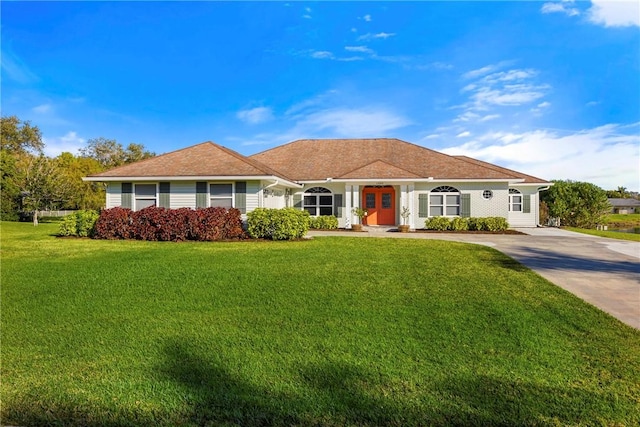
[603,272]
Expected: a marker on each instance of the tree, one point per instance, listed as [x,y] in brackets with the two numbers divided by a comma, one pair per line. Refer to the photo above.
[84,195]
[19,137]
[577,204]
[109,153]
[41,185]
[18,141]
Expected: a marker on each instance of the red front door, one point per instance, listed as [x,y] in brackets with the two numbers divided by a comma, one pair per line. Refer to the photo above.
[380,203]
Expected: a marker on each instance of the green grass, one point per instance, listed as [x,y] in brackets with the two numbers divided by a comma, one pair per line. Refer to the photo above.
[609,234]
[623,218]
[329,332]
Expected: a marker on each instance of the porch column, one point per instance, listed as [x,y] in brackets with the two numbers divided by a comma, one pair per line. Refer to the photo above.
[356,200]
[347,206]
[412,222]
[403,202]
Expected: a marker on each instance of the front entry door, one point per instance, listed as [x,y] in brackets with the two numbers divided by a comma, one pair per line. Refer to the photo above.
[381,205]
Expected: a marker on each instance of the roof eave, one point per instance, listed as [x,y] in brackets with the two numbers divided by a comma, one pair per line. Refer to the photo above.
[280,180]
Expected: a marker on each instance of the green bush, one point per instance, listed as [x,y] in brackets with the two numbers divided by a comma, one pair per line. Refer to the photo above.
[439,223]
[495,223]
[277,224]
[79,224]
[324,222]
[459,224]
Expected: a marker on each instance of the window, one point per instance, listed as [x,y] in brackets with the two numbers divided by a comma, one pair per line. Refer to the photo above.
[515,200]
[487,194]
[444,201]
[318,201]
[221,196]
[145,196]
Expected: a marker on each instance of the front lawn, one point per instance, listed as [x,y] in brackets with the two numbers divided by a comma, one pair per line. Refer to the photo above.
[329,332]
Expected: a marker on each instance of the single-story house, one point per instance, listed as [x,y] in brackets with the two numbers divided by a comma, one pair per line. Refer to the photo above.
[624,206]
[329,177]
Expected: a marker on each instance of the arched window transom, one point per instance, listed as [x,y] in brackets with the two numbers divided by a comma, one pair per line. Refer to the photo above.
[515,200]
[318,201]
[444,201]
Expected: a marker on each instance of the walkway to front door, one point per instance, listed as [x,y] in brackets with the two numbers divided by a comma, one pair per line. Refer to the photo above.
[381,205]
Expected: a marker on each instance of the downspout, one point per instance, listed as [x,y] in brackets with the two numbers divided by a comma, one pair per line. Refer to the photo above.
[264,196]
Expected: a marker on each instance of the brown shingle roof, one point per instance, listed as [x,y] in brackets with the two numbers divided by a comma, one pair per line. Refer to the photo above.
[318,159]
[205,159]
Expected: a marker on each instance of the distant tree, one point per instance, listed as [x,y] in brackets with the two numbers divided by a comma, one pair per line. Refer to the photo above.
[623,192]
[577,204]
[19,137]
[19,141]
[84,195]
[41,185]
[109,153]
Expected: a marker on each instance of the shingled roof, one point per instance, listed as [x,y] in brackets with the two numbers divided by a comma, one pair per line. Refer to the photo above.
[203,160]
[319,159]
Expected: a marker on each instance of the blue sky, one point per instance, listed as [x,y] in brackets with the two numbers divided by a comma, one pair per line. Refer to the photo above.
[547,88]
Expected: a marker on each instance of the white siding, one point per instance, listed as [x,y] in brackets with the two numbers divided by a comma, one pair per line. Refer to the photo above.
[114,195]
[253,195]
[498,205]
[183,195]
[520,219]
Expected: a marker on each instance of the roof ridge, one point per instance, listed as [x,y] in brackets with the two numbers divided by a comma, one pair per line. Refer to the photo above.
[255,163]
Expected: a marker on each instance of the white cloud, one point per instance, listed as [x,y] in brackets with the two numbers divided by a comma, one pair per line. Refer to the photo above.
[614,13]
[489,117]
[362,49]
[491,88]
[367,18]
[70,143]
[463,134]
[256,115]
[15,68]
[566,7]
[370,36]
[42,109]
[353,122]
[322,54]
[544,104]
[608,156]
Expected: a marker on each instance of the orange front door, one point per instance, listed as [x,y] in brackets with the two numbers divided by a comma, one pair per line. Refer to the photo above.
[381,205]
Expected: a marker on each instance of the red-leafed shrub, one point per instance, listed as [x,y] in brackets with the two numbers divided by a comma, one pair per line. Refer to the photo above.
[160,224]
[114,223]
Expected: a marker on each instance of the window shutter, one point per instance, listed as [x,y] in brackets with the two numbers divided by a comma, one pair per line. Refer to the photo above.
[297,201]
[526,203]
[337,205]
[126,195]
[423,205]
[201,195]
[241,196]
[165,198]
[465,205]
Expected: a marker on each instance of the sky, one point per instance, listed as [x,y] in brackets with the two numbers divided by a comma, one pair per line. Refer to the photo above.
[551,89]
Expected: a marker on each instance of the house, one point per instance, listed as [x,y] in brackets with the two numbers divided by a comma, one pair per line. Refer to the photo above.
[624,206]
[329,177]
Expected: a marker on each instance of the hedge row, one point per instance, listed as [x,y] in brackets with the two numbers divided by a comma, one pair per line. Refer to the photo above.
[160,224]
[492,223]
[324,222]
[277,224]
[79,224]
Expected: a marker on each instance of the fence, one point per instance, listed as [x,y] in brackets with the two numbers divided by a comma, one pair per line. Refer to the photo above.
[54,213]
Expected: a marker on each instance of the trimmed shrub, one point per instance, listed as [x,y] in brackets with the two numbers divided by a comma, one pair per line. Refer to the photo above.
[324,222]
[439,223]
[114,223]
[160,224]
[495,223]
[79,224]
[277,224]
[459,224]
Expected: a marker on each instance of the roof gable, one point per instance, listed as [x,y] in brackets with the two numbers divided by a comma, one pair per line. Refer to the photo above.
[205,159]
[378,169]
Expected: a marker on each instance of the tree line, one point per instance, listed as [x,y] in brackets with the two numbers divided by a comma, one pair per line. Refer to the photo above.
[30,181]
